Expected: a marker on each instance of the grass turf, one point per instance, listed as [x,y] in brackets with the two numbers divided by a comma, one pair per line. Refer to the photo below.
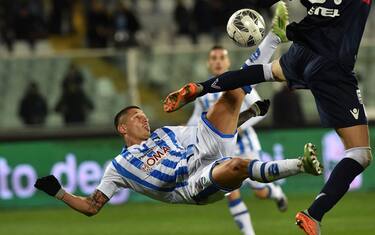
[355,214]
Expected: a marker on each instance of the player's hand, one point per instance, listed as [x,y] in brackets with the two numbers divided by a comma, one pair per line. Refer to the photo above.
[48,184]
[261,107]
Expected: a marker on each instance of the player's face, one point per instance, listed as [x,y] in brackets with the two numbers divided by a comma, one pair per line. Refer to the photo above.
[137,125]
[218,61]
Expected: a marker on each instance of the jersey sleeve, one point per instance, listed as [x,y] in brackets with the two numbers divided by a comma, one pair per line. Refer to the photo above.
[111,182]
[249,100]
[198,110]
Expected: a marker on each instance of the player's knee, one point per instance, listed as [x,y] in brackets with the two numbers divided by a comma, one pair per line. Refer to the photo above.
[93,211]
[261,193]
[234,195]
[276,71]
[362,155]
[90,214]
[237,165]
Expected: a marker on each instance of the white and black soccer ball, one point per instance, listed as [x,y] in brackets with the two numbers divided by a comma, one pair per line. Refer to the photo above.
[246,27]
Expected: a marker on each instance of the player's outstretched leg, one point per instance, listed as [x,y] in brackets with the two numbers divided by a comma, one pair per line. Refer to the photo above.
[230,174]
[309,164]
[308,224]
[231,80]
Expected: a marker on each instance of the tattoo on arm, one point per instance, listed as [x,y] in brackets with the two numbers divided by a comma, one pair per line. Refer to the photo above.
[97,200]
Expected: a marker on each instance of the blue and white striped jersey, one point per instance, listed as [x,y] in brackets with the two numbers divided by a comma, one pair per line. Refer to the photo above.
[156,167]
[247,139]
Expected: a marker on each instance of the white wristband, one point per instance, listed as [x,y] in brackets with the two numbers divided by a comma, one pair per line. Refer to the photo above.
[255,109]
[59,195]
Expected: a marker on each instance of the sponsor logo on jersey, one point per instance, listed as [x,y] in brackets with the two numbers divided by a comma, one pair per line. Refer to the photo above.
[327,12]
[355,113]
[155,158]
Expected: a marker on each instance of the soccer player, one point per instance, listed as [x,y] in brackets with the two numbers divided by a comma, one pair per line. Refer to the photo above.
[183,164]
[321,58]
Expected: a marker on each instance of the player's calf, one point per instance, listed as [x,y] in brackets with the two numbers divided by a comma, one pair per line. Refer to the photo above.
[353,164]
[230,174]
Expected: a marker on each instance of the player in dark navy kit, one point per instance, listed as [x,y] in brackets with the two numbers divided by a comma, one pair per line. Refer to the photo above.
[321,58]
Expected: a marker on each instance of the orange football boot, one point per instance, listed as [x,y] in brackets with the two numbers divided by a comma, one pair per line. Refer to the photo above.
[178,99]
[309,225]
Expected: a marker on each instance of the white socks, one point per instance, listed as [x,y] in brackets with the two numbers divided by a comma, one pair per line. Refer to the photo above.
[273,170]
[265,50]
[275,193]
[241,216]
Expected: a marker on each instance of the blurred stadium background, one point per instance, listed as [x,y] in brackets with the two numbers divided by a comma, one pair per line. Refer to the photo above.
[117,53]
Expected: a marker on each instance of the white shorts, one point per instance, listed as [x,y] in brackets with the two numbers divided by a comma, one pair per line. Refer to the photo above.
[212,148]
[210,145]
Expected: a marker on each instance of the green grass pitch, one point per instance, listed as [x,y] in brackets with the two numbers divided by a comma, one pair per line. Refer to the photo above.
[355,214]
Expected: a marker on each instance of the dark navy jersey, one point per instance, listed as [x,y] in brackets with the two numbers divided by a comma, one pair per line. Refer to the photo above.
[332,28]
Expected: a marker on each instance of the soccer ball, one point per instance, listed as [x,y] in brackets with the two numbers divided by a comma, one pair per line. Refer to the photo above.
[246,27]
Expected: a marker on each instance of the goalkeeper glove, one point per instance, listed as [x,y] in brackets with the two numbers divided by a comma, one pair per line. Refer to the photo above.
[260,108]
[50,185]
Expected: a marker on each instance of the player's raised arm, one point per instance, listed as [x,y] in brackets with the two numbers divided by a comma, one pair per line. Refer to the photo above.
[86,205]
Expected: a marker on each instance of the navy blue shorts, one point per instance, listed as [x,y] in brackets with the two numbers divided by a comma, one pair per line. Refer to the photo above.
[335,90]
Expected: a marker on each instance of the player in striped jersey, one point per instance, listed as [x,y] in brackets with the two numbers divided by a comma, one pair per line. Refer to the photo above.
[181,164]
[248,144]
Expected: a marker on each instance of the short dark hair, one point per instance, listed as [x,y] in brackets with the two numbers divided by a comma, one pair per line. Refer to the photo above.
[217,47]
[122,113]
